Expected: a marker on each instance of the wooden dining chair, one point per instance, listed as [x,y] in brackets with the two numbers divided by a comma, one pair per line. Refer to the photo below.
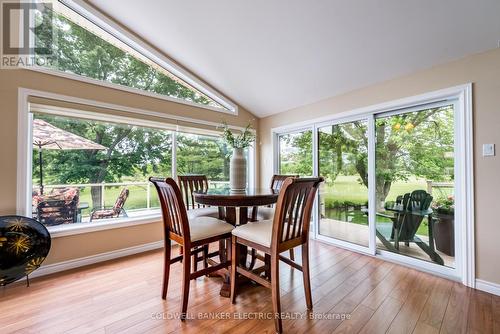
[288,229]
[187,185]
[191,234]
[267,213]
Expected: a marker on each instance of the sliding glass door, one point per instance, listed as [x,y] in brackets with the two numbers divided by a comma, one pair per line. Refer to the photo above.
[390,182]
[414,184]
[343,197]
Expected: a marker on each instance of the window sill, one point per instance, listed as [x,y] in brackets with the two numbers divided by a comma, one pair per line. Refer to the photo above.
[108,224]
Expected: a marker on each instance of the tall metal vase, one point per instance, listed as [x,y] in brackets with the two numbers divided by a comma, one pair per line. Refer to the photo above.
[238,170]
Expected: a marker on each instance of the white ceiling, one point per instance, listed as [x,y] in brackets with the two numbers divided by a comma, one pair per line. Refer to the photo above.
[274,55]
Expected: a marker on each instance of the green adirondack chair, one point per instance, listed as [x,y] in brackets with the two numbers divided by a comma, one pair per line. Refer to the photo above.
[408,213]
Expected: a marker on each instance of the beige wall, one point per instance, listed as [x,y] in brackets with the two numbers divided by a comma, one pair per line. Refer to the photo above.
[483,70]
[66,248]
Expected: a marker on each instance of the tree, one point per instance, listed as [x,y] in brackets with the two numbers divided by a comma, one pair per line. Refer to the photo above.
[81,52]
[296,153]
[341,148]
[203,155]
[412,144]
[130,151]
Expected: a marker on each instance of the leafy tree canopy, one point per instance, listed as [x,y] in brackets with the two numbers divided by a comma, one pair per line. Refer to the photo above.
[79,51]
[416,144]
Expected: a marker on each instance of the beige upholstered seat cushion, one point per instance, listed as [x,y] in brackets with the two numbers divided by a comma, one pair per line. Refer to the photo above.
[203,212]
[259,232]
[265,213]
[206,227]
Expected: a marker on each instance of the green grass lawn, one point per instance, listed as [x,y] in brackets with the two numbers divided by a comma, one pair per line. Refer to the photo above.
[136,199]
[347,188]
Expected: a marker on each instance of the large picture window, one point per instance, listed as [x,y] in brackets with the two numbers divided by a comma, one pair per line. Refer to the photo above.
[87,171]
[101,176]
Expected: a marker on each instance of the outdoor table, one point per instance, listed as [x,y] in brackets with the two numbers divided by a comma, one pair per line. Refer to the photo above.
[228,201]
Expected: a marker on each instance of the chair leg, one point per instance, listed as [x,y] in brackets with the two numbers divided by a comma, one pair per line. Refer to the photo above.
[229,251]
[181,251]
[185,283]
[396,239]
[234,263]
[195,261]
[222,250]
[267,264]
[166,268]
[305,273]
[292,254]
[275,292]
[205,256]
[253,259]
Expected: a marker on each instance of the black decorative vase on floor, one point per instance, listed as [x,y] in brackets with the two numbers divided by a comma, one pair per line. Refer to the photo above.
[24,245]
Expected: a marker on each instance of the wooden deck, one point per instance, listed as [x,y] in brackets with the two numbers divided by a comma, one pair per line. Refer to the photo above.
[359,234]
[356,292]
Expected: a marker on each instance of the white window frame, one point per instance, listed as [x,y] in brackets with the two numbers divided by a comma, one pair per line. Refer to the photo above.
[370,249]
[25,150]
[462,94]
[276,143]
[275,134]
[90,13]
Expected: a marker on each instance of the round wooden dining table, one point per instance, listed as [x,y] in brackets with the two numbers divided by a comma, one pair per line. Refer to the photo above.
[233,208]
[228,200]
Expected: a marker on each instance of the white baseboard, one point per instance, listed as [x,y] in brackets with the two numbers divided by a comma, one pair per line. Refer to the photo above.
[87,260]
[486,286]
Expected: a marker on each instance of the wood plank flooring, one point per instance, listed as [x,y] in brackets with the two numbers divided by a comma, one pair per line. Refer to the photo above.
[352,293]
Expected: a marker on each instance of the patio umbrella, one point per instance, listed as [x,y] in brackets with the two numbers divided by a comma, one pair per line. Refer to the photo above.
[48,137]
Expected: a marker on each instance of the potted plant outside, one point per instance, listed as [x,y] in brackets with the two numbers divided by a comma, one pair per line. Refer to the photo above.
[444,225]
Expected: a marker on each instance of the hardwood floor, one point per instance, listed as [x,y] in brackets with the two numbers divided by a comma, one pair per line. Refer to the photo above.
[356,293]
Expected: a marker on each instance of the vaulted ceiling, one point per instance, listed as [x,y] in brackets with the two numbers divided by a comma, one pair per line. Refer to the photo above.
[274,55]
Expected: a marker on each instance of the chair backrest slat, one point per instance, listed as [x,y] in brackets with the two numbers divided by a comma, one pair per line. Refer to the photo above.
[293,210]
[174,212]
[299,211]
[189,184]
[277,180]
[289,210]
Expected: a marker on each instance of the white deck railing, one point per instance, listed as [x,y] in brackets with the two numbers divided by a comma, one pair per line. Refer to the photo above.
[432,184]
[103,185]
